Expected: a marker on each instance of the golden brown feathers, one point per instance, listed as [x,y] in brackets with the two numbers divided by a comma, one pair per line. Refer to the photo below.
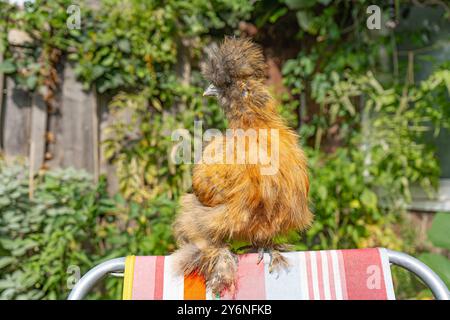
[236,201]
[235,59]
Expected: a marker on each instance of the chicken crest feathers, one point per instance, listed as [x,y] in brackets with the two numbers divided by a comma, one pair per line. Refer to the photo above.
[234,59]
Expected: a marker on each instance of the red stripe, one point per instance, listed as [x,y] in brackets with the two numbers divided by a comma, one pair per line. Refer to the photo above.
[331,275]
[250,280]
[320,275]
[309,275]
[159,278]
[359,265]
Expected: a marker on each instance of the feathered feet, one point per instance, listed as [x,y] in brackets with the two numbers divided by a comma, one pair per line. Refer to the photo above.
[217,265]
[223,275]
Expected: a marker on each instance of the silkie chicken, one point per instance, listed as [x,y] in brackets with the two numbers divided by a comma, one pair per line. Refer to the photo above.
[236,201]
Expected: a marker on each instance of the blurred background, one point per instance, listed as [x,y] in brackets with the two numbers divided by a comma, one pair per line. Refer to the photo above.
[92,90]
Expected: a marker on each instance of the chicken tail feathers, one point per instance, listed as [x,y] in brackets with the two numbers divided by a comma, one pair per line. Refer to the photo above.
[198,223]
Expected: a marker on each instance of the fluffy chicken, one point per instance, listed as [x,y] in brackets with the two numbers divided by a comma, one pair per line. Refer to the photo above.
[237,201]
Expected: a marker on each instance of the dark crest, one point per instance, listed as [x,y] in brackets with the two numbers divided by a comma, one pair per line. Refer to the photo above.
[235,59]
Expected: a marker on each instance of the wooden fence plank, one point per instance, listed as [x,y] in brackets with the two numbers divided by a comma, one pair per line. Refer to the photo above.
[78,125]
[2,92]
[37,135]
[17,115]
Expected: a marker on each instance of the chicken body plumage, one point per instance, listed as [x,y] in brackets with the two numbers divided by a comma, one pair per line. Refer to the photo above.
[238,201]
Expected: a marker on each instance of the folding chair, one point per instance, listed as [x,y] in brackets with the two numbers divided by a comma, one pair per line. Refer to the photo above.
[359,274]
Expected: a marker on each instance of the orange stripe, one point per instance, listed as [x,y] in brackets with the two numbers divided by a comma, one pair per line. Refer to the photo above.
[194,287]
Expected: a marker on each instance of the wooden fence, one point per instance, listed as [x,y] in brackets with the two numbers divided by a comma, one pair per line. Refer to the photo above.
[69,136]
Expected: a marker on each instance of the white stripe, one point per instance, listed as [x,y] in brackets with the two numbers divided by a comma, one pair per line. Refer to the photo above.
[387,274]
[315,278]
[337,275]
[173,284]
[303,276]
[283,284]
[209,294]
[325,276]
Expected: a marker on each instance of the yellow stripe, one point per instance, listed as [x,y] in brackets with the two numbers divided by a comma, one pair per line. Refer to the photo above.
[128,277]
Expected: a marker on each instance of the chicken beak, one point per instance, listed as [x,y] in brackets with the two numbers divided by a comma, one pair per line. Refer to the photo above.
[211,91]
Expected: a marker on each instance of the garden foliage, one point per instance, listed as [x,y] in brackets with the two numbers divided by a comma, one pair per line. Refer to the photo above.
[352,97]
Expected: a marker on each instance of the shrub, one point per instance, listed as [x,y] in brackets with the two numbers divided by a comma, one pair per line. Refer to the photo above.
[42,236]
[68,226]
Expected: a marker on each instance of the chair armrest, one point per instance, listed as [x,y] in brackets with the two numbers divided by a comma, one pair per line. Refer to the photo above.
[85,284]
[420,269]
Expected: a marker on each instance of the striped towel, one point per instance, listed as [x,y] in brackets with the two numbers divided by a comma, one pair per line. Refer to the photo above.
[361,274]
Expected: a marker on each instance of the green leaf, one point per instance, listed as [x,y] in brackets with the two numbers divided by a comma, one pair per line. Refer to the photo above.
[299,4]
[5,261]
[306,21]
[7,67]
[31,82]
[322,192]
[124,45]
[108,61]
[369,199]
[440,229]
[277,14]
[439,264]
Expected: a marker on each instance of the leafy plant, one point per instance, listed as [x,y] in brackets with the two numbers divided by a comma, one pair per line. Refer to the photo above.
[135,44]
[42,236]
[438,235]
[70,224]
[33,65]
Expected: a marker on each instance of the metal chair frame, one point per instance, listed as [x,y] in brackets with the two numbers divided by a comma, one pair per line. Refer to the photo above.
[421,270]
